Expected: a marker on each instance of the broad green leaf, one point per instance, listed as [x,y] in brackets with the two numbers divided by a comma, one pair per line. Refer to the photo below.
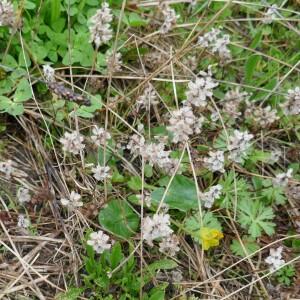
[23,91]
[119,218]
[181,195]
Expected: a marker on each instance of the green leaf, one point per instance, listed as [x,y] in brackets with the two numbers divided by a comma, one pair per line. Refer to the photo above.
[119,218]
[163,264]
[250,67]
[181,195]
[193,224]
[73,293]
[249,244]
[9,61]
[116,255]
[54,11]
[136,20]
[256,218]
[23,91]
[135,183]
[29,5]
[10,107]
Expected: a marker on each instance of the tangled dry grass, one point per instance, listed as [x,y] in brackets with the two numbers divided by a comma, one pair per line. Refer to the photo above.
[166,104]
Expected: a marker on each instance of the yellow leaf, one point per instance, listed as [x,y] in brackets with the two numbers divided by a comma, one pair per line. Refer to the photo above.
[210,237]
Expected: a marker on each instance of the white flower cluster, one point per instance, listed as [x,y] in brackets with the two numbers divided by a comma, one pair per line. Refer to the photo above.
[100,27]
[153,153]
[99,241]
[169,245]
[184,123]
[238,145]
[282,179]
[271,14]
[211,195]
[170,18]
[72,142]
[232,101]
[114,62]
[49,73]
[7,168]
[264,116]
[215,161]
[216,42]
[100,172]
[147,198]
[156,227]
[7,15]
[201,89]
[100,136]
[23,222]
[23,195]
[147,99]
[275,259]
[292,105]
[73,201]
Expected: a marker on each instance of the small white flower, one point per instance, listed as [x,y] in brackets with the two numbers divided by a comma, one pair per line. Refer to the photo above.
[49,73]
[271,14]
[176,275]
[147,99]
[100,173]
[200,90]
[238,145]
[213,194]
[100,28]
[275,156]
[232,101]
[147,198]
[72,142]
[216,42]
[7,15]
[114,62]
[275,259]
[73,201]
[214,116]
[7,168]
[100,136]
[99,241]
[292,105]
[136,144]
[184,123]
[282,179]
[23,195]
[23,222]
[170,18]
[156,227]
[264,116]
[215,161]
[169,245]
